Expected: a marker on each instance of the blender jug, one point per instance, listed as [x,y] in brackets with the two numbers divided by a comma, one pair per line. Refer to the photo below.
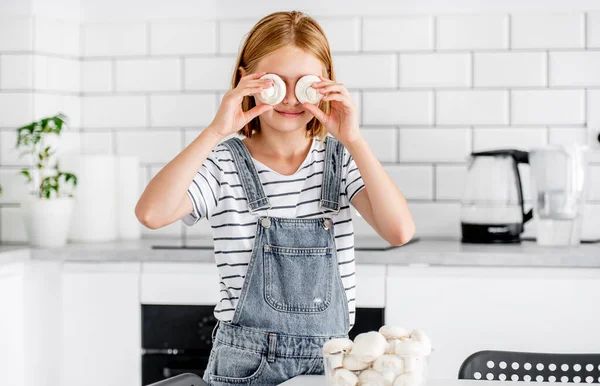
[558,182]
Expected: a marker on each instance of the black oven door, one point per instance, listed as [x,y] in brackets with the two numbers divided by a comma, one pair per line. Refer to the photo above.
[157,367]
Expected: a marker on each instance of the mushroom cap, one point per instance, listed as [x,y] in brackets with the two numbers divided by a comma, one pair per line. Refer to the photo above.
[369,346]
[394,332]
[337,345]
[372,378]
[420,336]
[274,94]
[354,363]
[305,92]
[390,363]
[344,377]
[391,346]
[410,347]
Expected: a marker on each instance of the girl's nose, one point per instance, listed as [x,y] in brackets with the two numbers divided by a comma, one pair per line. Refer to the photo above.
[290,95]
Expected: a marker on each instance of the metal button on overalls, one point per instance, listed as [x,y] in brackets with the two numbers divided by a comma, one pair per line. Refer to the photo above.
[327,223]
[265,222]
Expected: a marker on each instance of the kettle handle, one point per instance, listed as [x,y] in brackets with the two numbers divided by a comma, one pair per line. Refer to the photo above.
[521,157]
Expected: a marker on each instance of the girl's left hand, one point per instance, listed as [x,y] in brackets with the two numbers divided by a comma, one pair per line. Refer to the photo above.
[342,121]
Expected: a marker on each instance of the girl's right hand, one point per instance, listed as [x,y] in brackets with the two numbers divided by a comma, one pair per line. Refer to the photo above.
[230,117]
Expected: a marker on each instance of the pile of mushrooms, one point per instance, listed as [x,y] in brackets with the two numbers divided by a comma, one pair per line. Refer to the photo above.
[389,357]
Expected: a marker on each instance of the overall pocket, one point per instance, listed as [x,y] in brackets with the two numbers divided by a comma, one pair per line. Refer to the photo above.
[232,365]
[298,279]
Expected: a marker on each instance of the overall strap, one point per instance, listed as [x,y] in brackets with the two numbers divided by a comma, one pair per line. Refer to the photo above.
[332,174]
[251,184]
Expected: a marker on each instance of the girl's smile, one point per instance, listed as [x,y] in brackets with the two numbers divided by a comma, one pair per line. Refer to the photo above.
[289,114]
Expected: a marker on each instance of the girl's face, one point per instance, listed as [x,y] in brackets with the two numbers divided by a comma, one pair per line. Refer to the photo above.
[290,64]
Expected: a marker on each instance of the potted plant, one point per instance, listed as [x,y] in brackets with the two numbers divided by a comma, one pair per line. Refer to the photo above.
[47,208]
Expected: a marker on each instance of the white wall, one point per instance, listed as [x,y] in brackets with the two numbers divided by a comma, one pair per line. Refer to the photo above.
[440,84]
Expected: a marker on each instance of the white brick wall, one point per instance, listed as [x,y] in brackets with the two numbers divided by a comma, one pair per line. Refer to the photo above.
[429,88]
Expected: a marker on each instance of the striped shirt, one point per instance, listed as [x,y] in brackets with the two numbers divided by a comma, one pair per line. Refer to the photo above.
[217,195]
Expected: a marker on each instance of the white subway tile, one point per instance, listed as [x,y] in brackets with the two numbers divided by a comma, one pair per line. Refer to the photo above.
[9,155]
[113,111]
[467,32]
[575,68]
[404,33]
[16,72]
[508,138]
[435,70]
[510,69]
[382,70]
[593,109]
[548,107]
[472,107]
[71,38]
[114,39]
[71,107]
[593,187]
[46,105]
[436,219]
[434,145]
[547,30]
[593,27]
[414,181]
[97,142]
[342,34]
[13,186]
[208,73]
[183,37]
[567,136]
[232,34]
[450,181]
[397,107]
[148,75]
[96,76]
[56,74]
[182,110]
[383,142]
[48,36]
[16,109]
[11,226]
[16,33]
[149,145]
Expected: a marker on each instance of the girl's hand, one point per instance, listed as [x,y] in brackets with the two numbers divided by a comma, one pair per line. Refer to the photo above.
[230,117]
[342,121]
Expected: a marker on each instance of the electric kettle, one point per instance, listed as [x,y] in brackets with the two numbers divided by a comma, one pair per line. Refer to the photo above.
[492,209]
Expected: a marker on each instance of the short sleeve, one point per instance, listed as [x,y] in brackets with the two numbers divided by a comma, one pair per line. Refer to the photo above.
[205,189]
[354,182]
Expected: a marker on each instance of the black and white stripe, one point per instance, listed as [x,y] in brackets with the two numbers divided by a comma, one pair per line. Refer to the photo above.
[217,195]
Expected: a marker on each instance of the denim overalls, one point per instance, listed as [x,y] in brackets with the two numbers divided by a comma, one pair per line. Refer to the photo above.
[292,300]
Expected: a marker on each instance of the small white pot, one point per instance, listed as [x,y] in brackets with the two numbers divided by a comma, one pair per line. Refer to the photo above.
[47,220]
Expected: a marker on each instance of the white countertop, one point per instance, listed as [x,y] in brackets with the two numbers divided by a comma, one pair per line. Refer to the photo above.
[319,380]
[423,252]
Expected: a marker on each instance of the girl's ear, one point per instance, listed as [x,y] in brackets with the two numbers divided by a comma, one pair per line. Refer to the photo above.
[242,71]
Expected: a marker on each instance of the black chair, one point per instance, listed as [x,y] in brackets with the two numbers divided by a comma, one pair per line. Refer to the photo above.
[536,367]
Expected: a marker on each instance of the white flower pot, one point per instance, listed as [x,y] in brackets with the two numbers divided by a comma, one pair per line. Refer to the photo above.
[47,220]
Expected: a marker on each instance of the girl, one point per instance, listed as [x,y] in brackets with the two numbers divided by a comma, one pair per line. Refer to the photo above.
[278,204]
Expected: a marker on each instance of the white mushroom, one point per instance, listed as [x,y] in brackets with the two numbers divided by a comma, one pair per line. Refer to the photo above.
[334,361]
[394,332]
[305,92]
[389,376]
[390,363]
[372,378]
[369,346]
[353,363]
[411,347]
[343,377]
[391,346]
[274,94]
[408,379]
[337,345]
[420,336]
[414,364]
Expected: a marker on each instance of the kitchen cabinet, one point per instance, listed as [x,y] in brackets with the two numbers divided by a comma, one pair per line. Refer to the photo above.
[468,309]
[101,324]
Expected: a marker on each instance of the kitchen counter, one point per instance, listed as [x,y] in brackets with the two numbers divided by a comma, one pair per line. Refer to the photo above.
[319,380]
[423,252]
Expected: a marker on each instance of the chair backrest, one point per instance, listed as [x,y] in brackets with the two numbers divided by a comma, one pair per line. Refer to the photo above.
[536,367]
